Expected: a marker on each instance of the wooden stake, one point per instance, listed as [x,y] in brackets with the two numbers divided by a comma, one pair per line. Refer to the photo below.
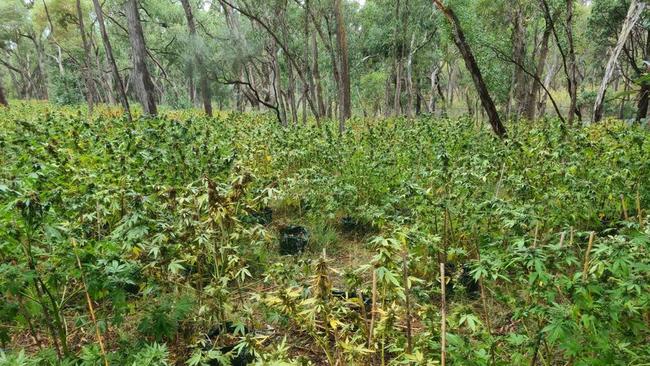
[443,315]
[409,338]
[571,237]
[562,239]
[91,309]
[639,212]
[373,306]
[536,233]
[585,267]
[482,288]
[624,208]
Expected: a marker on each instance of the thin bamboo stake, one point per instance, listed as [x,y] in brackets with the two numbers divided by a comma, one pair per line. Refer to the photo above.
[91,309]
[562,238]
[536,234]
[624,208]
[373,308]
[407,296]
[585,267]
[482,288]
[639,212]
[571,237]
[443,320]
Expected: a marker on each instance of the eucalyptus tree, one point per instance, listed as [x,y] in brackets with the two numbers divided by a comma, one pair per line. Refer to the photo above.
[203,77]
[22,48]
[567,52]
[143,85]
[472,66]
[3,98]
[342,45]
[87,55]
[634,12]
[606,20]
[99,13]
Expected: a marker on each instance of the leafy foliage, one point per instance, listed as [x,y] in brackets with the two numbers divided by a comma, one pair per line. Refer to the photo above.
[164,217]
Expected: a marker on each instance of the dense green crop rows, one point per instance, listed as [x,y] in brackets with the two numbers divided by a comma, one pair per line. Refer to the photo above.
[162,224]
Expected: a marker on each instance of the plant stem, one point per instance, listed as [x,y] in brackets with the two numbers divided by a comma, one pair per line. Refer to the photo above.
[373,309]
[91,309]
[639,212]
[585,267]
[407,302]
[443,315]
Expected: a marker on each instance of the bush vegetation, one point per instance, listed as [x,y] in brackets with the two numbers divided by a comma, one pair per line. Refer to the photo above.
[161,239]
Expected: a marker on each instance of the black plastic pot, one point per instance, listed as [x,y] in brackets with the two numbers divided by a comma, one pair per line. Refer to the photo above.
[242,358]
[352,225]
[461,278]
[293,240]
[264,216]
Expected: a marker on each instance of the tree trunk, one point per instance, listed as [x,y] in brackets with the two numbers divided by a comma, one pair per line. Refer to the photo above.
[309,86]
[90,86]
[431,107]
[519,57]
[42,70]
[342,42]
[397,34]
[569,65]
[472,67]
[144,87]
[621,107]
[633,14]
[316,74]
[336,75]
[529,110]
[203,82]
[573,66]
[644,92]
[291,94]
[277,89]
[3,98]
[409,79]
[111,59]
[552,70]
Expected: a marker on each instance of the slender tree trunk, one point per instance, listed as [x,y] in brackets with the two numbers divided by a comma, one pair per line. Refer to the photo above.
[309,85]
[316,74]
[3,98]
[573,66]
[633,14]
[541,64]
[434,88]
[291,94]
[519,56]
[387,92]
[103,84]
[568,61]
[203,82]
[336,75]
[277,88]
[342,42]
[90,86]
[397,34]
[449,93]
[644,92]
[472,67]
[409,79]
[111,60]
[621,107]
[42,70]
[144,87]
[552,70]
